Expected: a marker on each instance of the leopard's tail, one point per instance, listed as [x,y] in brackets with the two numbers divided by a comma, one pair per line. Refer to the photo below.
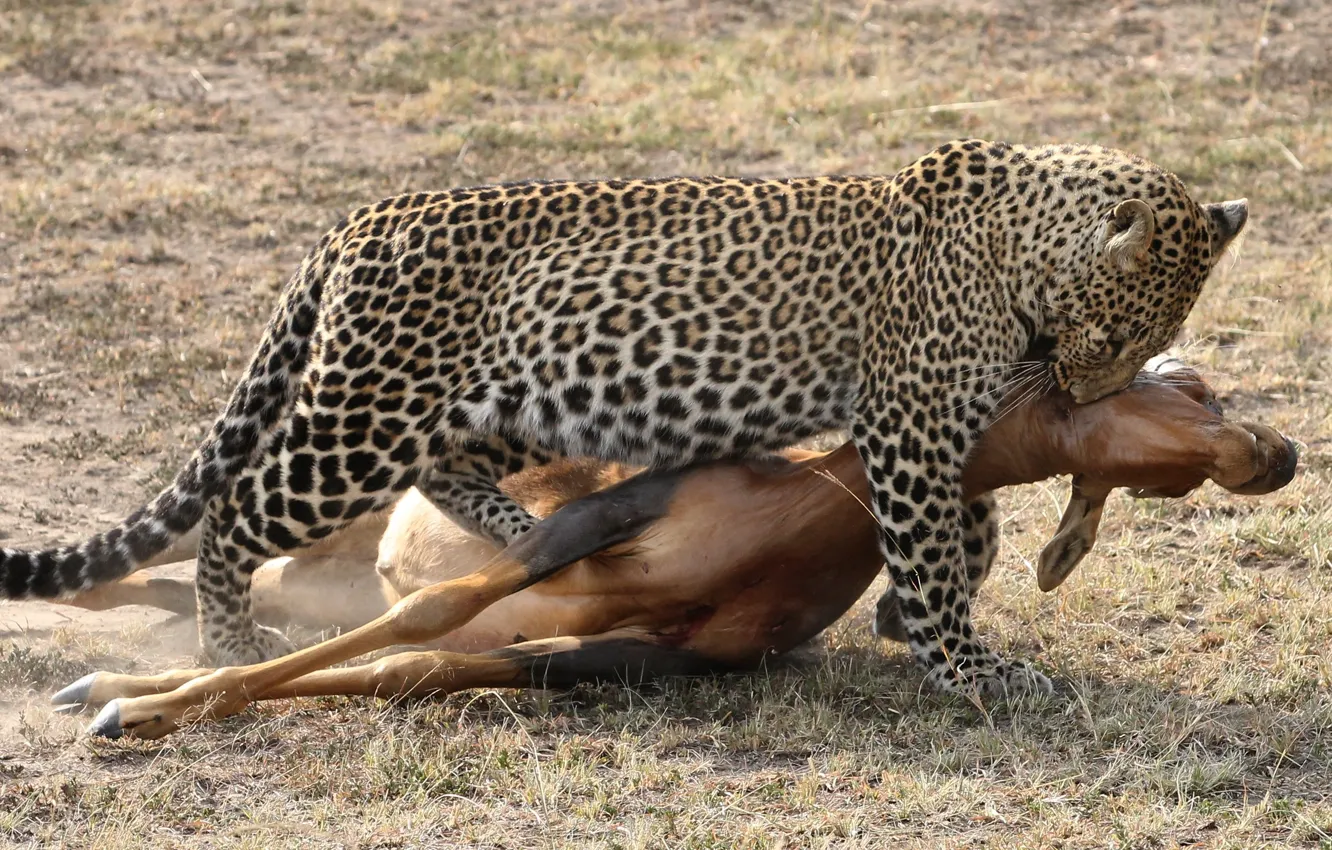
[257,405]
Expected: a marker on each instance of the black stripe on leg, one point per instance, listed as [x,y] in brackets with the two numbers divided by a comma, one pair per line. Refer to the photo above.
[589,525]
[623,661]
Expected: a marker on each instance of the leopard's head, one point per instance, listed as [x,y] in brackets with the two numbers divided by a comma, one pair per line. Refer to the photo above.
[1127,270]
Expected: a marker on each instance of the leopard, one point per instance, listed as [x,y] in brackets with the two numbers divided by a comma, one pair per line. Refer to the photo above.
[445,340]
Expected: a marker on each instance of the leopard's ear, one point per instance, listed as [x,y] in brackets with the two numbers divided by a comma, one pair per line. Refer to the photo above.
[1128,234]
[1075,537]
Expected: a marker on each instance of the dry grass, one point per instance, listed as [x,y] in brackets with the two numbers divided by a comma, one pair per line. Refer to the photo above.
[163,164]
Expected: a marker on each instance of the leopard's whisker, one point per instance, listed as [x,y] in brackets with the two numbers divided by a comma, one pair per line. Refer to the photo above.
[1030,394]
[1018,382]
[994,367]
[1020,372]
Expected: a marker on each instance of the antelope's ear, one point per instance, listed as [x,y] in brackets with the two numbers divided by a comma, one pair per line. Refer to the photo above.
[1226,220]
[888,618]
[1128,234]
[1075,537]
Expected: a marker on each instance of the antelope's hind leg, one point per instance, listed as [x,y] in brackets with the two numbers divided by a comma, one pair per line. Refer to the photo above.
[579,529]
[624,656]
[169,594]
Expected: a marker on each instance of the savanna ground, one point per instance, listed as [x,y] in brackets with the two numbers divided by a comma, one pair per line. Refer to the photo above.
[165,163]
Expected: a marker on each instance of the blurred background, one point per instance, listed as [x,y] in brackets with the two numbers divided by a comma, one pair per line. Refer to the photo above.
[164,164]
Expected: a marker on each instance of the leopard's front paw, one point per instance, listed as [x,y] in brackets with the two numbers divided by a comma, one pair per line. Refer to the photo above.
[990,677]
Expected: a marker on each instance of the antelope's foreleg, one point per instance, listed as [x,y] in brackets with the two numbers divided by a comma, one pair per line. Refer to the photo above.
[1076,534]
[97,689]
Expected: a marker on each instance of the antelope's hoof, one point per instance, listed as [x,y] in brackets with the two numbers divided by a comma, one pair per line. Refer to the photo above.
[107,722]
[77,697]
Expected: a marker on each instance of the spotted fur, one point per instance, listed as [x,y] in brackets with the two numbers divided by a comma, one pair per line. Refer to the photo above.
[447,339]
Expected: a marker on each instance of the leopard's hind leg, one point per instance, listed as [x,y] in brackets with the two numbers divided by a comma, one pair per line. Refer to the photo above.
[319,472]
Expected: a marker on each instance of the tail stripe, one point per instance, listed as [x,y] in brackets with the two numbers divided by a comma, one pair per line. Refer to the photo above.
[71,569]
[45,578]
[16,573]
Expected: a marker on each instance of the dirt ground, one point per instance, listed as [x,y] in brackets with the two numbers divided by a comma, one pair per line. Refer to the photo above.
[163,166]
